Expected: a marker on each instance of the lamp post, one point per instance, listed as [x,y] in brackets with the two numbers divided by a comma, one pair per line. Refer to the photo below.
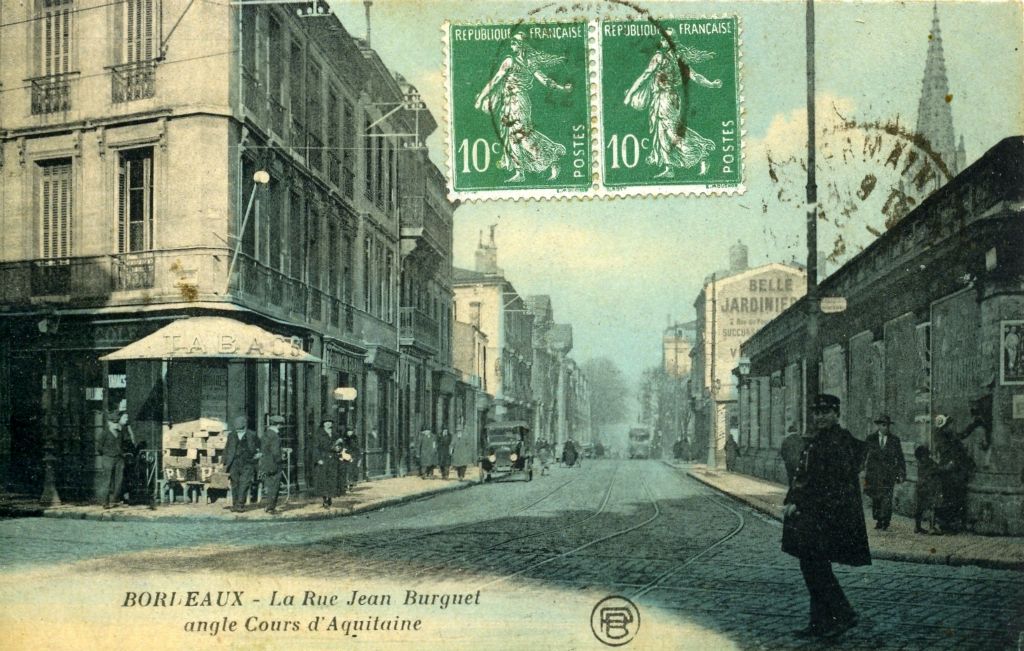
[812,344]
[260,178]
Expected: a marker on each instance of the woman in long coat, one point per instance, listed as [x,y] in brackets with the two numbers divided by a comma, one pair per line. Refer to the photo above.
[325,463]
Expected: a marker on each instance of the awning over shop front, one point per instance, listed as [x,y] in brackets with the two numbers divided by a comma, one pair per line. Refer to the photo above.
[216,337]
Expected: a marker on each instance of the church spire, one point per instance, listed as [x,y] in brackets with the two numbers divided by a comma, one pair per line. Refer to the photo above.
[934,113]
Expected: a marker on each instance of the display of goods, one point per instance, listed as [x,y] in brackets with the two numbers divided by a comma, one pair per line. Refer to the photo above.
[216,442]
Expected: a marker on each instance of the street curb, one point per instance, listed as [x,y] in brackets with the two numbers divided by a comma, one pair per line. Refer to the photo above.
[879,554]
[108,516]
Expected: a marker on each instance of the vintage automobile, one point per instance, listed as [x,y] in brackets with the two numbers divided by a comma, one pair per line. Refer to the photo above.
[507,451]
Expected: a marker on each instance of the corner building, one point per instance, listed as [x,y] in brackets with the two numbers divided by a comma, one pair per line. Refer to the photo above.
[129,139]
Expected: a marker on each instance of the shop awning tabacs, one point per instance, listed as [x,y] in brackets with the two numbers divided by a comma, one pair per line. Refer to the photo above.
[213,337]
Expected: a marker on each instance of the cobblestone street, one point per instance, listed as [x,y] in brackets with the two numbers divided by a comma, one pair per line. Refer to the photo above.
[704,571]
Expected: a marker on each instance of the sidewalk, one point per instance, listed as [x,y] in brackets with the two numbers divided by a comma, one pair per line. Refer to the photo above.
[899,543]
[366,496]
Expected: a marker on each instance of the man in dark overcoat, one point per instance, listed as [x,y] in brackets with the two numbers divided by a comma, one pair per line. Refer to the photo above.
[444,451]
[325,462]
[270,464]
[823,519]
[884,467]
[240,458]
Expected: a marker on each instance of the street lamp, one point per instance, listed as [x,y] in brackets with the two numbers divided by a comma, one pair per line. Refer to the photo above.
[260,178]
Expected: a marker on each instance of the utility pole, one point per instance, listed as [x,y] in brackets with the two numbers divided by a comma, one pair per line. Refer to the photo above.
[812,351]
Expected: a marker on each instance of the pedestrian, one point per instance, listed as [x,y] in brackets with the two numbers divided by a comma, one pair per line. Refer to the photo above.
[110,458]
[270,466]
[823,520]
[325,463]
[240,459]
[790,450]
[463,452]
[444,451]
[427,453]
[732,451]
[884,467]
[954,467]
[928,490]
[344,449]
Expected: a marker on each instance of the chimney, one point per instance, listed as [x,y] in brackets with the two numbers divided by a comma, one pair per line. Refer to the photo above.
[737,257]
[487,255]
[367,4]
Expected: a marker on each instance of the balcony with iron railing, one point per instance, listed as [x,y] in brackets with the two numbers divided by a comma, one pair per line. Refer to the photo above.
[276,293]
[52,93]
[417,328]
[172,276]
[132,81]
[418,221]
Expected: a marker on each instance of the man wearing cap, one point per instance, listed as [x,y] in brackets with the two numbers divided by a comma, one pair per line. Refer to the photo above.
[884,467]
[270,461]
[823,519]
[240,457]
[110,458]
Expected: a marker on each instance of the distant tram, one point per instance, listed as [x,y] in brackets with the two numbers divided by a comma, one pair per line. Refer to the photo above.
[639,443]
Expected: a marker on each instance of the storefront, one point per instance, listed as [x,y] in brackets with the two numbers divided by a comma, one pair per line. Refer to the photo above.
[193,377]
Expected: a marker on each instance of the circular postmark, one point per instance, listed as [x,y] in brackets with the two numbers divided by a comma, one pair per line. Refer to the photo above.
[615,621]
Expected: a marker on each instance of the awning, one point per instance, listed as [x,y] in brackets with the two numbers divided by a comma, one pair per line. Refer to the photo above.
[216,337]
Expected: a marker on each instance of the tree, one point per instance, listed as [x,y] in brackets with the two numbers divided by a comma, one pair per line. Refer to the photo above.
[608,392]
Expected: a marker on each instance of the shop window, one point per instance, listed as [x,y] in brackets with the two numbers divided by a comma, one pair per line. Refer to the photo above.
[135,200]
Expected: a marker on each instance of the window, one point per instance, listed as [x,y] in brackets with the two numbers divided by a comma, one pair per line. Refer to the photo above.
[53,36]
[53,29]
[295,218]
[139,41]
[368,158]
[313,246]
[333,137]
[348,152]
[348,253]
[55,205]
[135,200]
[275,223]
[332,256]
[367,289]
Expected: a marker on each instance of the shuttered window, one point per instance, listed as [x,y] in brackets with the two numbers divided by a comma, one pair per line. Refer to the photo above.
[135,200]
[53,36]
[139,43]
[55,205]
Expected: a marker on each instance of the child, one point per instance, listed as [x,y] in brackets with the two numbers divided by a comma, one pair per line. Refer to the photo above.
[928,489]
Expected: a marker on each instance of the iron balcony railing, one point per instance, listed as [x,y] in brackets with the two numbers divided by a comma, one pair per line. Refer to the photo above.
[418,327]
[132,81]
[52,93]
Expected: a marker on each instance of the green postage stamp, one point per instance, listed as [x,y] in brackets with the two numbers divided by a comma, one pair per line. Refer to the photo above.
[594,108]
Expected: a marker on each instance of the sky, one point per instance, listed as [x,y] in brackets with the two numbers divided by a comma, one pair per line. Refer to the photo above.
[619,269]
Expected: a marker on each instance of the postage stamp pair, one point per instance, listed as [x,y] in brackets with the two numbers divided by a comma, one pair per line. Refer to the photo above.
[594,108]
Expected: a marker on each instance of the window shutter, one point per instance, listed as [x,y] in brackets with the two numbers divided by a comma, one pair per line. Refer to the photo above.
[122,205]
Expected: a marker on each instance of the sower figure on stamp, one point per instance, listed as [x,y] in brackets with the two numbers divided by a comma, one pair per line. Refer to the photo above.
[664,94]
[325,463]
[507,97]
[110,453]
[884,467]
[270,461]
[240,457]
[823,519]
[444,451]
